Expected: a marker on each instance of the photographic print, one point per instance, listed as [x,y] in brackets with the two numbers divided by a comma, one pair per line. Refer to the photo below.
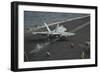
[56,36]
[52,36]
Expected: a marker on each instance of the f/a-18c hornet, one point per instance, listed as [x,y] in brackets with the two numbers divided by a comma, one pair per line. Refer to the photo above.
[59,31]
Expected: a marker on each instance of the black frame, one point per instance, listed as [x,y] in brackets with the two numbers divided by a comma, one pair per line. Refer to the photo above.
[14,35]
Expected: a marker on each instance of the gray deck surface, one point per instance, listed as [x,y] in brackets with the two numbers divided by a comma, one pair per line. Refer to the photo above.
[60,49]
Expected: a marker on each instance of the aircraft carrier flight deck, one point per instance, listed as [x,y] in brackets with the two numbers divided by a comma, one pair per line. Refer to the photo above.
[41,48]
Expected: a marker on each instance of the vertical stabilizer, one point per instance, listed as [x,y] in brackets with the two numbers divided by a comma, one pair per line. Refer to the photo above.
[57,25]
[47,27]
[57,28]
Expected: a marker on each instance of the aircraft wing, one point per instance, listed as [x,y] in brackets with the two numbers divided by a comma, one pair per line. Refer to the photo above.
[44,33]
[48,33]
[68,34]
[39,33]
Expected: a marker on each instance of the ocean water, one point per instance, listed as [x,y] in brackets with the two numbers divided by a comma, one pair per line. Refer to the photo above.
[34,18]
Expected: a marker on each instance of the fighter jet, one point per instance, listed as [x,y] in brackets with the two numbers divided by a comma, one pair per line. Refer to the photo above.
[59,31]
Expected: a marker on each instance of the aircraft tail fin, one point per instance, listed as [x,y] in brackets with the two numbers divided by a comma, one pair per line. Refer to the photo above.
[47,27]
[57,25]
